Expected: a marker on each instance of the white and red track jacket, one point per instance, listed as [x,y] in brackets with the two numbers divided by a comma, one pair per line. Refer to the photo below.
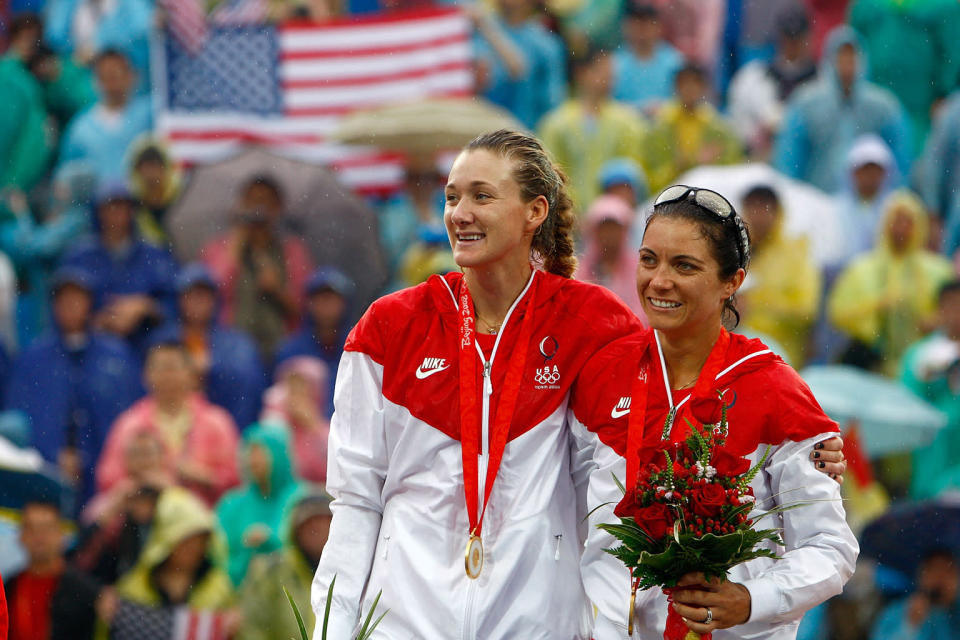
[400,523]
[768,403]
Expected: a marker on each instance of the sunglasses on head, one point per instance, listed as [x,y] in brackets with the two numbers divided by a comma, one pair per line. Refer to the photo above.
[704,198]
[711,202]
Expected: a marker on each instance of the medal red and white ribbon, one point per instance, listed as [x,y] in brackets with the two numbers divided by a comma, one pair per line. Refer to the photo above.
[471,417]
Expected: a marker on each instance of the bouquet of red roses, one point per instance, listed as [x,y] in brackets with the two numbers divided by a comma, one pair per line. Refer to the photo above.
[689,511]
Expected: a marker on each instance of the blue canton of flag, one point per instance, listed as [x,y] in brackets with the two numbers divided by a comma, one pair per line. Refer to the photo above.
[239,72]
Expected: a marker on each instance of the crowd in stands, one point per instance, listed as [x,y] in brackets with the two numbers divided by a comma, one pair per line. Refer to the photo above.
[184,404]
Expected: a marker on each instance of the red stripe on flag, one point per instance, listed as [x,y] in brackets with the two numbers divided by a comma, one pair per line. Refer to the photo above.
[411,15]
[372,49]
[342,110]
[243,135]
[377,79]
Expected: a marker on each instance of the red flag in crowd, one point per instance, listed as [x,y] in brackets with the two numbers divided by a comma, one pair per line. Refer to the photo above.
[4,617]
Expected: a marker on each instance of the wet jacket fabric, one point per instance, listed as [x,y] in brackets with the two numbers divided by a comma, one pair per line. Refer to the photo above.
[400,522]
[821,123]
[73,393]
[248,506]
[767,404]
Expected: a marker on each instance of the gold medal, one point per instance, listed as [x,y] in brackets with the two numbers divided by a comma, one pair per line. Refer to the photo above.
[473,558]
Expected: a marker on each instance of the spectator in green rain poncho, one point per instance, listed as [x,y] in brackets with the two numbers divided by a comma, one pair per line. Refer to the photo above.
[252,515]
[931,369]
[913,50]
[67,87]
[25,145]
[267,613]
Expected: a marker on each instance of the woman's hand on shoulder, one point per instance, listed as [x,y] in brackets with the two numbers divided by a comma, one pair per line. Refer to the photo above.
[827,457]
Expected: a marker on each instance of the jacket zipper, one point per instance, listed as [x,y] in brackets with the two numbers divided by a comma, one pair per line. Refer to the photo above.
[468,615]
[468,622]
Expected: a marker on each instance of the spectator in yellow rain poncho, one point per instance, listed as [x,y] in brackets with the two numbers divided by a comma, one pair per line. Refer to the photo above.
[178,571]
[886,299]
[779,297]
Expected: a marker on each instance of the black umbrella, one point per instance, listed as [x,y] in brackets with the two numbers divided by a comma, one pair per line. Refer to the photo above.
[902,536]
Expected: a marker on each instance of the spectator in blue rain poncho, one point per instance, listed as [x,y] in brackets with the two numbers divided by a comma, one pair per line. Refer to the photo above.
[134,280]
[870,174]
[35,240]
[824,118]
[941,172]
[531,82]
[226,359]
[72,382]
[325,329]
[102,134]
[644,65]
[932,610]
[83,28]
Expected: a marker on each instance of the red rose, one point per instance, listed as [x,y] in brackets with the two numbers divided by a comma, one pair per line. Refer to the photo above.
[655,519]
[708,500]
[651,456]
[728,464]
[707,409]
[629,504]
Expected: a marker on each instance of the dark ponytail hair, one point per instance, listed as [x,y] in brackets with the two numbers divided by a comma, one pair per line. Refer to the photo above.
[537,175]
[729,242]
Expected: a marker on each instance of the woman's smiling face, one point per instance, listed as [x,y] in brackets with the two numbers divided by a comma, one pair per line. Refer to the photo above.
[678,277]
[486,218]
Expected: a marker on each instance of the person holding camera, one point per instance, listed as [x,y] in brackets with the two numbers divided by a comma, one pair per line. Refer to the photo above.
[260,271]
[932,610]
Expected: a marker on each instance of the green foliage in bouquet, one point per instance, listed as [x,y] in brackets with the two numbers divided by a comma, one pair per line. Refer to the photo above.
[690,511]
[363,634]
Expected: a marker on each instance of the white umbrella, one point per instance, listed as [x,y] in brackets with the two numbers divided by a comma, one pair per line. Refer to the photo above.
[808,210]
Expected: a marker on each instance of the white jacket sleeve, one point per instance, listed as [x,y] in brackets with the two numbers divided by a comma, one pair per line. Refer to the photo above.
[582,464]
[356,469]
[605,579]
[821,550]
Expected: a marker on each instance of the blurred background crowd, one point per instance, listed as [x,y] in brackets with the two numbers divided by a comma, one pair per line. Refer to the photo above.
[170,330]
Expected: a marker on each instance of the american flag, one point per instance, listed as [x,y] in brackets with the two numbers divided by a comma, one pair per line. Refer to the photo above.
[287,86]
[135,621]
[186,22]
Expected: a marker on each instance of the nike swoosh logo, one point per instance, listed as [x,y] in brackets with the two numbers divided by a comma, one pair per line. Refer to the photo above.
[421,374]
[618,413]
